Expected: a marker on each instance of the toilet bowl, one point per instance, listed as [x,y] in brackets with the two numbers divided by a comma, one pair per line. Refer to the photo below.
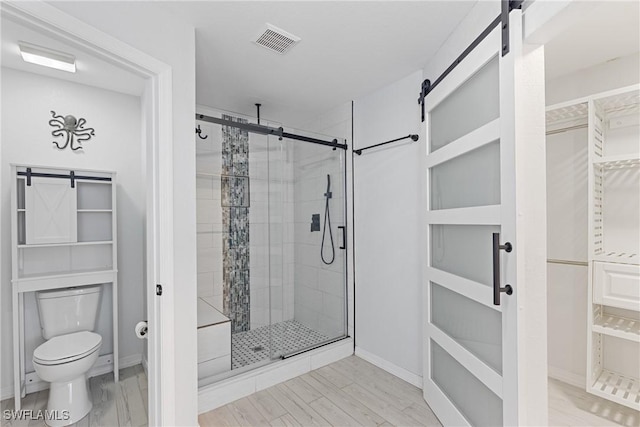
[64,361]
[67,317]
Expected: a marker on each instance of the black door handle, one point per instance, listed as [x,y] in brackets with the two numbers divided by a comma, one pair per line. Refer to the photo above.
[344,237]
[497,289]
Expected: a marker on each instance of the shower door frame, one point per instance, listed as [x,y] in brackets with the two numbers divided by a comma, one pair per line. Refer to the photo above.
[335,144]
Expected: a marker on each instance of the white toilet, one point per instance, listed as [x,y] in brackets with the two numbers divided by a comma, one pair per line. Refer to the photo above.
[67,317]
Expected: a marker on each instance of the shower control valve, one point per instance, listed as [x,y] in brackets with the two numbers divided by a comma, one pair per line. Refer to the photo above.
[315,222]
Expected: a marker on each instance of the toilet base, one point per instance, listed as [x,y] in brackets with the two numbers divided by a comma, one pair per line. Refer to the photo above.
[68,402]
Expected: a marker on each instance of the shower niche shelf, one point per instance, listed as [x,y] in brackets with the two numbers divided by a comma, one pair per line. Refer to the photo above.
[63,232]
[613,329]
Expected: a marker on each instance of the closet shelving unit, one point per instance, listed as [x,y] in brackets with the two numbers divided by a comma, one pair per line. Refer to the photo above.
[613,312]
[63,235]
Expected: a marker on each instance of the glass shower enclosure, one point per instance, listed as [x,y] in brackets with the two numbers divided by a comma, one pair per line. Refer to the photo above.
[271,237]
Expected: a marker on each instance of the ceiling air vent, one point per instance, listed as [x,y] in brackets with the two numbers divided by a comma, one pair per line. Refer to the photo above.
[276,39]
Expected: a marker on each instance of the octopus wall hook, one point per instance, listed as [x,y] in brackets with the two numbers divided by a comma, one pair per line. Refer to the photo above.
[70,127]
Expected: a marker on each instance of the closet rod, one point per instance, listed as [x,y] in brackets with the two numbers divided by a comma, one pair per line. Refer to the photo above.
[568,262]
[555,131]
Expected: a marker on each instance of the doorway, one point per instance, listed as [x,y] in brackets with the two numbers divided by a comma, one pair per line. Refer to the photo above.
[153,130]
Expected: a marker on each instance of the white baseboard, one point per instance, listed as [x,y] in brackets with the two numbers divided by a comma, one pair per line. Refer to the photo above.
[227,390]
[565,376]
[102,366]
[381,363]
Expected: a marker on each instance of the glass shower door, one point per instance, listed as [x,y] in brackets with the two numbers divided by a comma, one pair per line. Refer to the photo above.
[308,259]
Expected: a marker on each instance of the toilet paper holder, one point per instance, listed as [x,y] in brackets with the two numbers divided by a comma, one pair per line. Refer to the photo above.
[142,329]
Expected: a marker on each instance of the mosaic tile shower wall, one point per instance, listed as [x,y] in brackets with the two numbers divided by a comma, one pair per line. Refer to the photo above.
[235,225]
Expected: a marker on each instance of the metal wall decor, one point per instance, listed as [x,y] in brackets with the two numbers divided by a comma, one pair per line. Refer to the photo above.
[70,127]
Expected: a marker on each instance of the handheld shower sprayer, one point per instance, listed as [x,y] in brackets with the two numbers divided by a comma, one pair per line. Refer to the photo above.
[327,222]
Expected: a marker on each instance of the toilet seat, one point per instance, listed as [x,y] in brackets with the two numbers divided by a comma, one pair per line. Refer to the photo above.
[67,348]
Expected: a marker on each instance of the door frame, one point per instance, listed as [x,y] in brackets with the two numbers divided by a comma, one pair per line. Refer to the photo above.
[156,106]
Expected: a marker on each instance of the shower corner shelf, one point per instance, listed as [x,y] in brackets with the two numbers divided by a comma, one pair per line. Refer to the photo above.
[614,265]
[80,249]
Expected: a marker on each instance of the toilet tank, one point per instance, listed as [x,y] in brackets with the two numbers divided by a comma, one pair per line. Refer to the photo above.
[67,310]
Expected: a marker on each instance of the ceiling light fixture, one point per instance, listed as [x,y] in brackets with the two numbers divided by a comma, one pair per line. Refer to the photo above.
[47,57]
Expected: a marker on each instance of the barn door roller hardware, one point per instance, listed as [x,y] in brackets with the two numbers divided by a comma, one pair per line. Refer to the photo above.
[502,19]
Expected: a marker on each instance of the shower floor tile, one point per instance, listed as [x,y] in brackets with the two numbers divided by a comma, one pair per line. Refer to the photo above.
[255,345]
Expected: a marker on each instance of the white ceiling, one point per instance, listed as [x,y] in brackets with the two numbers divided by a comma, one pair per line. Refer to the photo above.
[91,71]
[348,49]
[610,30]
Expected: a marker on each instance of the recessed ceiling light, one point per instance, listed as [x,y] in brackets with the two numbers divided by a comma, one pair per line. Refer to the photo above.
[47,57]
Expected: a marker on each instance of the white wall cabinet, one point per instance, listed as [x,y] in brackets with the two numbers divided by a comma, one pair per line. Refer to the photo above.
[63,231]
[613,174]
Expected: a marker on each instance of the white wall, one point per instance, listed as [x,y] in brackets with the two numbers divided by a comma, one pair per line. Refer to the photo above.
[26,140]
[160,35]
[209,214]
[619,72]
[567,240]
[387,220]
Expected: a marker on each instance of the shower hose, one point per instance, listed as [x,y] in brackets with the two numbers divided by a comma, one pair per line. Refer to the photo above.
[327,220]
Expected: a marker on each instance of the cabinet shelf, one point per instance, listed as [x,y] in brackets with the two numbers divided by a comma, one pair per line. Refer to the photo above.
[619,327]
[94,211]
[61,274]
[53,245]
[613,316]
[617,257]
[617,162]
[619,388]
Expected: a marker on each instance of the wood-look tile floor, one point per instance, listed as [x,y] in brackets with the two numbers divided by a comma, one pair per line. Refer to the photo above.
[573,406]
[121,404]
[353,392]
[350,392]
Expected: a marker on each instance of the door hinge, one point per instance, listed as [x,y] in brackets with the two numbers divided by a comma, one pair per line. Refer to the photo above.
[158,289]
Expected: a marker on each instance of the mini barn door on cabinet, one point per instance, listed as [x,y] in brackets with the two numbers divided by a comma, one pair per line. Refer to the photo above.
[471,349]
[50,212]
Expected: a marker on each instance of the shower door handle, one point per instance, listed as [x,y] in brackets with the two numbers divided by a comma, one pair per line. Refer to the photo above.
[497,289]
[344,236]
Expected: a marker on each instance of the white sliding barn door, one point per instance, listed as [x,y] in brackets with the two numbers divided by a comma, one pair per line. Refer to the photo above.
[50,211]
[471,350]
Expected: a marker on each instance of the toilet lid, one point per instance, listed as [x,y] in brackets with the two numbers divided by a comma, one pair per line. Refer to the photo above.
[67,348]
